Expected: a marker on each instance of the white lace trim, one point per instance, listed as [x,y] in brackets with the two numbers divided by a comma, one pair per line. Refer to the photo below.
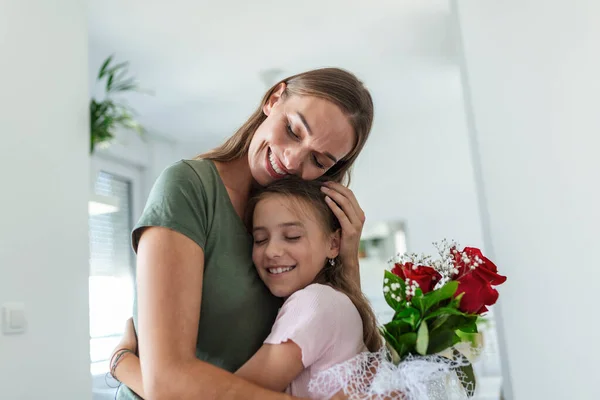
[372,376]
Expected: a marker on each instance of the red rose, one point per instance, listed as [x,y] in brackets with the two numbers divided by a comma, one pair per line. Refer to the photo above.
[476,275]
[425,277]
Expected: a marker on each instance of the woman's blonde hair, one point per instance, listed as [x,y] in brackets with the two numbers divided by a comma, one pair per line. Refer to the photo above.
[333,84]
[309,194]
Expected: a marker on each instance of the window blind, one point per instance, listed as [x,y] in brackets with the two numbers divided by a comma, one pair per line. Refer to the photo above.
[110,240]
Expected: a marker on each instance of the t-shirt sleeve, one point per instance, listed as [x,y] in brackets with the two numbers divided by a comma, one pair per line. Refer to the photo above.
[177,201]
[309,319]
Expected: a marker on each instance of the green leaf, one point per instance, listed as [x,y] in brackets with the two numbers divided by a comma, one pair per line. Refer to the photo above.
[418,300]
[408,339]
[440,340]
[455,302]
[436,296]
[109,82]
[395,356]
[445,311]
[408,315]
[454,322]
[104,66]
[467,379]
[391,278]
[473,338]
[439,321]
[397,328]
[470,326]
[107,116]
[391,340]
[406,344]
[120,68]
[422,339]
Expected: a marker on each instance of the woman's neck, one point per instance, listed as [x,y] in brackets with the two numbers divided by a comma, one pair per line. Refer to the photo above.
[237,178]
[236,175]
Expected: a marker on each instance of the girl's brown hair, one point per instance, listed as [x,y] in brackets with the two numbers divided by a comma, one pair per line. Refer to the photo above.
[333,84]
[309,194]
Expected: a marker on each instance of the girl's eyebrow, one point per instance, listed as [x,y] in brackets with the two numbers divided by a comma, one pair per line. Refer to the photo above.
[283,225]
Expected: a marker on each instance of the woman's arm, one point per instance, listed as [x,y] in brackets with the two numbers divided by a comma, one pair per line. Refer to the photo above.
[344,205]
[169,278]
[274,367]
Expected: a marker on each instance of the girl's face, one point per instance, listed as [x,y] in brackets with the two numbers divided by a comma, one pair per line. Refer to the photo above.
[303,136]
[290,246]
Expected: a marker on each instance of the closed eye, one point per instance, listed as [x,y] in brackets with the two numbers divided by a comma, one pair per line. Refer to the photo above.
[293,238]
[258,242]
[317,163]
[291,132]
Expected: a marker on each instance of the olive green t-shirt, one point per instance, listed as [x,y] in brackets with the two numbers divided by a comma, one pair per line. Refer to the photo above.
[237,310]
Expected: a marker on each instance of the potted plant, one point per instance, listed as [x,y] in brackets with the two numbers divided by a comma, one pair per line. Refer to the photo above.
[108,115]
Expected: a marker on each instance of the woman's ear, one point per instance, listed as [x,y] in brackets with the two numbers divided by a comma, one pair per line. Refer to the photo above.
[274,98]
[334,244]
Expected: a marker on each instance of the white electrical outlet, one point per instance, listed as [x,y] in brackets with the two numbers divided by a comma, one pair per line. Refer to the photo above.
[13,318]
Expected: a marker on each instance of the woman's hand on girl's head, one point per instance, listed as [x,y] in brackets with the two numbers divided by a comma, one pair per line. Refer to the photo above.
[344,205]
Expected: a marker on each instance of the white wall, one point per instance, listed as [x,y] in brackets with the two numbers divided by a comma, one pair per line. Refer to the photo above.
[150,155]
[532,75]
[421,173]
[44,171]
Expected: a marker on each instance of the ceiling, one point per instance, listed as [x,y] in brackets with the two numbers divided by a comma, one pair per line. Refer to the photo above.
[207,62]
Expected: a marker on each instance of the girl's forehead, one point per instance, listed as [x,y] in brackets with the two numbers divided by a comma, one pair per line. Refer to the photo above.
[277,206]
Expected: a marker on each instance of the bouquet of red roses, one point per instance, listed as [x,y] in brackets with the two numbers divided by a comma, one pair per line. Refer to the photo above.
[436,304]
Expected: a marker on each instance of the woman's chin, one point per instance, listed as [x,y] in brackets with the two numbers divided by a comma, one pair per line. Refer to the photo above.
[262,177]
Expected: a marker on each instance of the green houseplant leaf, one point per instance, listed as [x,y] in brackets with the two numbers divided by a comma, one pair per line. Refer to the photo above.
[107,116]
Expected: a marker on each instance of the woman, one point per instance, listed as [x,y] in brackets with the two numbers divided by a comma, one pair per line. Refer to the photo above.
[325,319]
[200,303]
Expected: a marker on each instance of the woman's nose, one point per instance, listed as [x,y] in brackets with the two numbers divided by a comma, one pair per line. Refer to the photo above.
[293,158]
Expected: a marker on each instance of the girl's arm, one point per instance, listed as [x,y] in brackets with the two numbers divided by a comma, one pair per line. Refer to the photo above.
[169,277]
[274,366]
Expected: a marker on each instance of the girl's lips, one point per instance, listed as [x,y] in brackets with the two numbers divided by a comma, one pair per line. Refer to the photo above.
[280,270]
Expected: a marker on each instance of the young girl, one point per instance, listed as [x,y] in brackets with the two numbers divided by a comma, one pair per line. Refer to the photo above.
[325,319]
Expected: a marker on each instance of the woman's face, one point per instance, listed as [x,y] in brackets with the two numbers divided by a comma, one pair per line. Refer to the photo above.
[290,245]
[302,135]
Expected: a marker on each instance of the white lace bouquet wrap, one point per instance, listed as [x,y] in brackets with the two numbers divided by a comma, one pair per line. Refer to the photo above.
[433,336]
[374,376]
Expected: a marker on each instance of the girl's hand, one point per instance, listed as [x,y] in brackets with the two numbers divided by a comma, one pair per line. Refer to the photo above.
[344,205]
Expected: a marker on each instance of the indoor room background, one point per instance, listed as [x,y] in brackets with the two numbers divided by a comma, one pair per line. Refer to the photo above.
[486,132]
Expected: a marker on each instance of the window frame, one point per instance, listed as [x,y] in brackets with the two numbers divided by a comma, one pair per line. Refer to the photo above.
[135,176]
